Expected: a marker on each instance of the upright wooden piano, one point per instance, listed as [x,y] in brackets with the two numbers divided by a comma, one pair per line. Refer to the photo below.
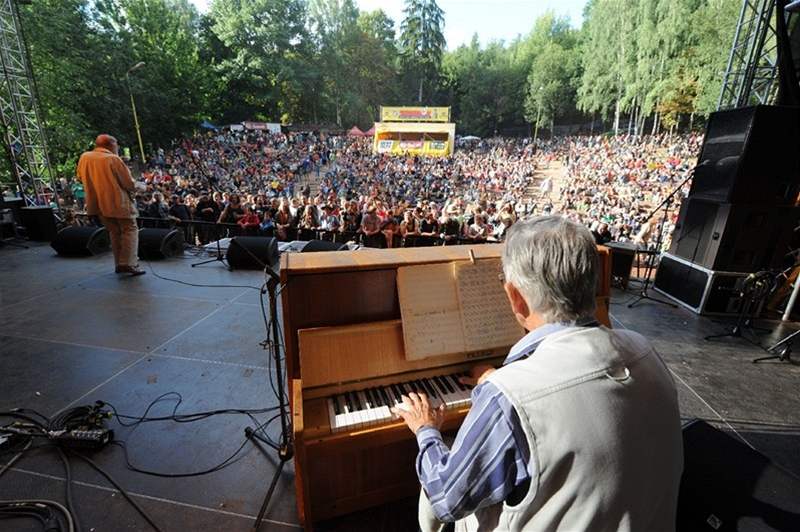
[345,358]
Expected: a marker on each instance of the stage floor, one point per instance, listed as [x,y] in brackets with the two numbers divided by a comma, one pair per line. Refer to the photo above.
[72,332]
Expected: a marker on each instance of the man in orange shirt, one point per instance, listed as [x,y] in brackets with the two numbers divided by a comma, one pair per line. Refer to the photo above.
[109,191]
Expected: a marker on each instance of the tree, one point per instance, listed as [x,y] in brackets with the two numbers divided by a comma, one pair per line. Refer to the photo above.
[550,85]
[173,89]
[266,61]
[422,42]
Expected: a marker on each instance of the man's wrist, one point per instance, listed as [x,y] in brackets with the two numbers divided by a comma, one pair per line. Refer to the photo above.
[426,433]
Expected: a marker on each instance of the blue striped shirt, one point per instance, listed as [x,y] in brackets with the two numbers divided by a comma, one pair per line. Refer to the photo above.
[490,457]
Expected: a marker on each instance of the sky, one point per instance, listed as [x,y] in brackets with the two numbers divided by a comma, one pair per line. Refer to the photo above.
[490,19]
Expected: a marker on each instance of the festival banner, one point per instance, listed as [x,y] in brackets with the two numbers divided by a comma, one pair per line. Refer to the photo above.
[415,114]
[385,146]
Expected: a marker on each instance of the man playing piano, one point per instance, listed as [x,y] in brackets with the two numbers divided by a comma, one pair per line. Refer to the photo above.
[578,430]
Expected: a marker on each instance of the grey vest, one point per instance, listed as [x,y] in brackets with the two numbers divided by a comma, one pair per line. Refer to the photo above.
[600,412]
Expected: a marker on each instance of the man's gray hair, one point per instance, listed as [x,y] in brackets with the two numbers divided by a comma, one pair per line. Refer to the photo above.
[553,262]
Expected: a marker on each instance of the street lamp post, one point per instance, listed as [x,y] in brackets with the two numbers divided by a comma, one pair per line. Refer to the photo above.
[137,66]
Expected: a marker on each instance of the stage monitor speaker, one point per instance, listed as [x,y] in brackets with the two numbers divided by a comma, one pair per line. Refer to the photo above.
[733,237]
[39,223]
[313,246]
[750,155]
[78,240]
[157,243]
[728,486]
[622,257]
[252,252]
[699,289]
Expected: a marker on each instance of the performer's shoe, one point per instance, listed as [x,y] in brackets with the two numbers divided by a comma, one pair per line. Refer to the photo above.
[132,270]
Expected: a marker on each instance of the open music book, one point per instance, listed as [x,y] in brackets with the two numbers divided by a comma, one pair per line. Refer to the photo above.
[455,307]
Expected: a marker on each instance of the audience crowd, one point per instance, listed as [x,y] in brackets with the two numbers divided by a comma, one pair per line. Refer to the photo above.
[306,185]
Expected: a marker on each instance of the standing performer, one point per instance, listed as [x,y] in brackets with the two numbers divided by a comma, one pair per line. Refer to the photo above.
[578,430]
[110,192]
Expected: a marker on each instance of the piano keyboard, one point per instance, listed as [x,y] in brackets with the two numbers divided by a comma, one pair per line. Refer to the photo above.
[372,406]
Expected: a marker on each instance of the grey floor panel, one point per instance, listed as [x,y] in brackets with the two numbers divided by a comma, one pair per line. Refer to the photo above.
[100,509]
[47,376]
[134,321]
[169,447]
[225,285]
[232,335]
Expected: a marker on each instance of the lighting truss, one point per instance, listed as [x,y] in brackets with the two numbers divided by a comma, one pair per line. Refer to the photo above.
[20,118]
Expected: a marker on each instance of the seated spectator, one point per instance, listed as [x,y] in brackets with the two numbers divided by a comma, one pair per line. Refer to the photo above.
[479,230]
[267,225]
[249,221]
[601,234]
[329,221]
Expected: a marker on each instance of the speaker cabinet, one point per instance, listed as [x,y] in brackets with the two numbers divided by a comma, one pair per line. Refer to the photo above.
[750,156]
[313,246]
[733,237]
[252,252]
[39,223]
[76,241]
[699,289]
[160,243]
[622,256]
[729,487]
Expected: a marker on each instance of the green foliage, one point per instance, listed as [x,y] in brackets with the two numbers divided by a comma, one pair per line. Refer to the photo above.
[422,42]
[325,61]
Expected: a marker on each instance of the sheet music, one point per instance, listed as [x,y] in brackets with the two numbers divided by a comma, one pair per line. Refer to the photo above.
[486,316]
[430,311]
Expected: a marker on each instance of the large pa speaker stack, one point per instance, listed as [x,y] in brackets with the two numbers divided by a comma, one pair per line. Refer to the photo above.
[742,206]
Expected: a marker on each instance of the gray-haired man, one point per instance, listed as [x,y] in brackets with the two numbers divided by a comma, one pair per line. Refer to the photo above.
[578,430]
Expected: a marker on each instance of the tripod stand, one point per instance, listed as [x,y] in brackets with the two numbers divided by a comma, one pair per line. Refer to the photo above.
[285,447]
[782,350]
[220,257]
[756,287]
[666,204]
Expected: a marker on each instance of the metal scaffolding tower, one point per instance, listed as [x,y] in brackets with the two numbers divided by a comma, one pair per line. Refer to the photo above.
[20,118]
[750,77]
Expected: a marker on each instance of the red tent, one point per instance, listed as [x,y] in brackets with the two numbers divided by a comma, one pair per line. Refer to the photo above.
[355,132]
[370,132]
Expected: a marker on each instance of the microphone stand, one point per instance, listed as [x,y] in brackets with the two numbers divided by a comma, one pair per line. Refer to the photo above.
[666,204]
[285,447]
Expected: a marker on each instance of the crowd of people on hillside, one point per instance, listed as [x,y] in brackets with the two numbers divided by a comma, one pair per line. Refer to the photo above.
[614,182]
[260,183]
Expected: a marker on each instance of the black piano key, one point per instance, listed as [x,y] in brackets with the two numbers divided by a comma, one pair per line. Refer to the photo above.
[396,392]
[410,387]
[356,402]
[456,378]
[370,399]
[401,391]
[385,397]
[439,386]
[336,409]
[377,401]
[348,404]
[429,388]
[447,386]
[452,381]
